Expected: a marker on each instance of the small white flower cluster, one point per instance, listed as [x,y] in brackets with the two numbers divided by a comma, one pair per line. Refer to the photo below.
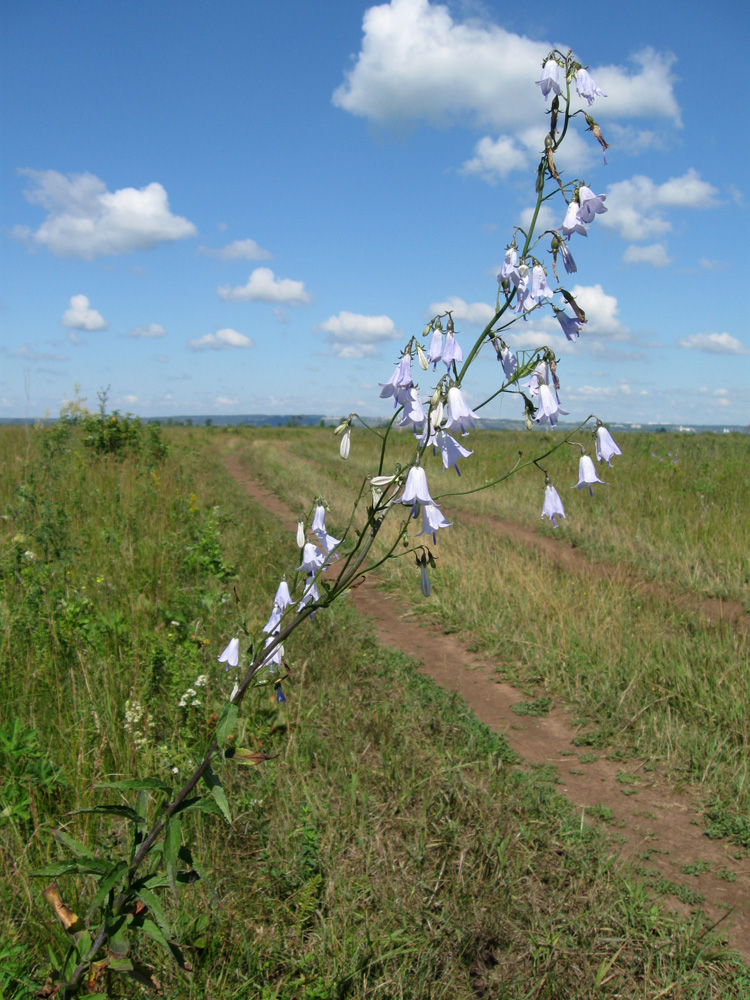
[190,699]
[134,712]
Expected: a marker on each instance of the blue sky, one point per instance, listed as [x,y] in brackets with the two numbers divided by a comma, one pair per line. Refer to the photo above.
[240,207]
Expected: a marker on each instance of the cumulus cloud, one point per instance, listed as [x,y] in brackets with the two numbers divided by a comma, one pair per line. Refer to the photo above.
[418,64]
[546,219]
[352,335]
[238,250]
[80,316]
[601,312]
[713,343]
[222,340]
[150,331]
[655,254]
[263,286]
[85,220]
[635,207]
[476,313]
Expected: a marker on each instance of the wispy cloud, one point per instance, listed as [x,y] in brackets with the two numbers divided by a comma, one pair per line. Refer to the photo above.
[237,250]
[151,331]
[223,340]
[713,343]
[655,255]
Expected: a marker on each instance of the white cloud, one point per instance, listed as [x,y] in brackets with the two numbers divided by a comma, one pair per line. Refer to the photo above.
[238,250]
[81,317]
[28,352]
[417,64]
[601,312]
[634,206]
[150,331]
[130,399]
[222,340]
[85,220]
[655,254]
[263,286]
[476,313]
[545,220]
[225,401]
[527,340]
[495,158]
[352,335]
[713,343]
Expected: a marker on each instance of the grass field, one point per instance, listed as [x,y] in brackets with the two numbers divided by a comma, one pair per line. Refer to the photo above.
[390,846]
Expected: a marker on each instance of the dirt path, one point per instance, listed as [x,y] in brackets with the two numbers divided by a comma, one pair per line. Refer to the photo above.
[652,825]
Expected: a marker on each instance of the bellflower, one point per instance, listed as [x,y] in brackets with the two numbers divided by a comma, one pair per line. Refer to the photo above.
[524,298]
[399,382]
[424,580]
[450,450]
[459,415]
[452,351]
[319,519]
[413,410]
[550,79]
[552,504]
[435,349]
[567,258]
[345,443]
[327,542]
[539,287]
[586,86]
[539,375]
[300,533]
[571,326]
[271,626]
[280,697]
[606,449]
[509,269]
[509,361]
[573,223]
[432,520]
[415,490]
[283,598]
[312,559]
[310,594]
[590,204]
[548,407]
[231,655]
[587,475]
[274,658]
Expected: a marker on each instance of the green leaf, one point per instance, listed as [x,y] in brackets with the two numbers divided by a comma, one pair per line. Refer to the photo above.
[126,811]
[171,848]
[150,901]
[136,785]
[201,804]
[73,845]
[226,723]
[85,866]
[106,884]
[214,785]
[55,869]
[118,943]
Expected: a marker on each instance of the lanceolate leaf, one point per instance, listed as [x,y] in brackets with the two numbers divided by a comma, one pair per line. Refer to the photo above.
[107,884]
[226,723]
[217,791]
[171,848]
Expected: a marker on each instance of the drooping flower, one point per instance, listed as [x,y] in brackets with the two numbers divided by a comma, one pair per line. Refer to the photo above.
[460,417]
[539,287]
[424,580]
[450,450]
[539,375]
[415,490]
[586,86]
[231,655]
[509,361]
[283,598]
[435,349]
[571,326]
[345,443]
[300,533]
[590,204]
[573,223]
[312,559]
[319,519]
[401,380]
[524,298]
[548,407]
[509,269]
[280,698]
[552,504]
[327,542]
[433,520]
[567,257]
[587,475]
[413,410]
[606,449]
[452,350]
[550,79]
[272,625]
[310,594]
[274,658]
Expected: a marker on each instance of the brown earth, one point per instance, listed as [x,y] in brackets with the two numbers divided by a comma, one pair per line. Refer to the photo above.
[653,826]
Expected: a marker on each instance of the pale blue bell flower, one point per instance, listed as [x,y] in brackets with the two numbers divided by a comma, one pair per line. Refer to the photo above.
[450,450]
[231,655]
[606,449]
[587,475]
[550,80]
[432,520]
[586,86]
[552,504]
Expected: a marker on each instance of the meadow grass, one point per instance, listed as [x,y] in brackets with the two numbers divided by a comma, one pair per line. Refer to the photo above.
[390,845]
[647,675]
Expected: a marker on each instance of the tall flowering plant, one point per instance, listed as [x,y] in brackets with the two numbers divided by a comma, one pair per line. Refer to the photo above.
[126,905]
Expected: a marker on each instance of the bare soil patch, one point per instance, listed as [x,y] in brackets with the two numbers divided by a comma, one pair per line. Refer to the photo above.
[653,826]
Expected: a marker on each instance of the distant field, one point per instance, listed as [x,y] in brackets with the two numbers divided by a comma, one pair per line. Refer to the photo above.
[393,847]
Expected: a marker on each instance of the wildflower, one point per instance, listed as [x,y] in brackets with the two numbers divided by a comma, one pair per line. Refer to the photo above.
[312,559]
[413,410]
[539,287]
[424,364]
[548,407]
[552,504]
[435,350]
[345,443]
[432,520]
[509,361]
[459,414]
[415,490]
[201,680]
[274,658]
[301,533]
[568,263]
[524,298]
[195,702]
[399,382]
[539,375]
[597,133]
[586,86]
[272,625]
[283,598]
[424,580]
[587,475]
[231,655]
[450,450]
[280,698]
[327,542]
[550,79]
[590,204]
[573,223]
[452,351]
[310,594]
[571,327]
[606,449]
[509,269]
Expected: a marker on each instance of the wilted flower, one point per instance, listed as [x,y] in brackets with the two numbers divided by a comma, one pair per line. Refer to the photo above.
[590,204]
[279,695]
[450,450]
[587,475]
[459,415]
[606,449]
[550,78]
[552,504]
[509,361]
[586,86]
[231,655]
[432,520]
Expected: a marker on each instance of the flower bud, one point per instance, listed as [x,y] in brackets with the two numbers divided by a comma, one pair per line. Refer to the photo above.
[424,364]
[301,533]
